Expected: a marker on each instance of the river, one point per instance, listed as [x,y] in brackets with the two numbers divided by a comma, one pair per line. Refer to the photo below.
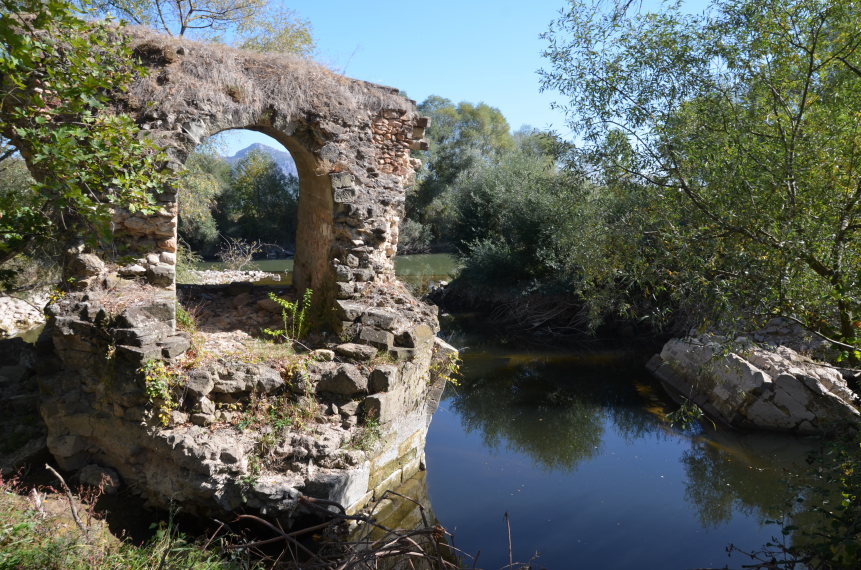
[575,446]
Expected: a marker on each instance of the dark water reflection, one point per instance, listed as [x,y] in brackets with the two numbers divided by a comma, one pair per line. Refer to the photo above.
[575,447]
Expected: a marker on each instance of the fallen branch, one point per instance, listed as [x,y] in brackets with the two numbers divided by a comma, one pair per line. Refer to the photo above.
[70,497]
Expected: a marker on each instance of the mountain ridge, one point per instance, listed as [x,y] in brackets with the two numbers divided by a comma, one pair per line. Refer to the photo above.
[281,157]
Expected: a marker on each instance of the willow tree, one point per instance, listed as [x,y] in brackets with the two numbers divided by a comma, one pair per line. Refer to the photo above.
[744,126]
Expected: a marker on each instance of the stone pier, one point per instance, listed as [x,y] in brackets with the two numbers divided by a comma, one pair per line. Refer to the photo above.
[218,420]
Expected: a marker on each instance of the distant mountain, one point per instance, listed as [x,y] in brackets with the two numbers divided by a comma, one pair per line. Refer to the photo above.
[281,157]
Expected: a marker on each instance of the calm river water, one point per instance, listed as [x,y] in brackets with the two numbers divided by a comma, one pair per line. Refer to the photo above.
[574,445]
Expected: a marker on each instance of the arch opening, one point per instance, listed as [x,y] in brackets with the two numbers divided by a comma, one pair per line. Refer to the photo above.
[253,202]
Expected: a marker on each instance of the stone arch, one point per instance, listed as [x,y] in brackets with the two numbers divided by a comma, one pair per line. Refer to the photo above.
[351,141]
[315,230]
[107,341]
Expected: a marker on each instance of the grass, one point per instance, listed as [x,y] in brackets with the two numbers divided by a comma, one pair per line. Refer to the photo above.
[367,436]
[49,539]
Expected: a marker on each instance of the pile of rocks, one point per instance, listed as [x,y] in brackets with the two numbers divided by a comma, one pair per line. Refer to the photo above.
[224,277]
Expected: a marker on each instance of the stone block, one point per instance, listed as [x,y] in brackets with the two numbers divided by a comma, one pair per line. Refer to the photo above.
[343,274]
[206,406]
[349,310]
[267,379]
[161,275]
[363,274]
[344,195]
[356,351]
[85,265]
[134,270]
[199,383]
[232,383]
[387,407]
[414,337]
[383,378]
[178,418]
[379,318]
[175,346]
[346,379]
[137,355]
[376,337]
[351,408]
[345,290]
[200,419]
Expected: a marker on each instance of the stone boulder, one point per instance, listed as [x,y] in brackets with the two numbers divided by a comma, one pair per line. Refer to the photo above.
[19,315]
[747,385]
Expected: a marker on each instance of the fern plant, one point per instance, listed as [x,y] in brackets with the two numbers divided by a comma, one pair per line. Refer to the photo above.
[294,316]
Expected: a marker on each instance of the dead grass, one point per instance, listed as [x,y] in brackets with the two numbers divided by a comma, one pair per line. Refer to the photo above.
[189,77]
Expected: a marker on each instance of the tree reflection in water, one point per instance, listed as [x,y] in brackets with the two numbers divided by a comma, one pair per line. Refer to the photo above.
[757,474]
[553,408]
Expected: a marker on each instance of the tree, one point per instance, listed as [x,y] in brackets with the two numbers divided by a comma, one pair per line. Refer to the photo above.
[57,73]
[743,126]
[252,24]
[459,137]
[261,202]
[205,178]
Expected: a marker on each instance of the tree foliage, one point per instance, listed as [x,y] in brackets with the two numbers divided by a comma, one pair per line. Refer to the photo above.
[459,137]
[741,127]
[57,73]
[205,178]
[262,202]
[253,200]
[251,24]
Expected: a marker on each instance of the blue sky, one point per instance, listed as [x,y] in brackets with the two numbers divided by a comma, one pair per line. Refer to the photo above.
[466,50]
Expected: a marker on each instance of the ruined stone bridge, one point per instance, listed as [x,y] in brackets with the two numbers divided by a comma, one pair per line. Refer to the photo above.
[350,139]
[124,392]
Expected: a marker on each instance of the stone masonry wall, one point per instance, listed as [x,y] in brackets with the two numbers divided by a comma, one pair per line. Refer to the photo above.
[350,139]
[251,428]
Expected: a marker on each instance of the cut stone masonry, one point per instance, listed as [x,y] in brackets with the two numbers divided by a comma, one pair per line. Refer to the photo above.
[364,395]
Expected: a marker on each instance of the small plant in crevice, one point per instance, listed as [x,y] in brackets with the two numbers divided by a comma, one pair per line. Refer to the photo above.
[255,468]
[294,316]
[160,382]
[185,319]
[447,368]
[278,413]
[366,437]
